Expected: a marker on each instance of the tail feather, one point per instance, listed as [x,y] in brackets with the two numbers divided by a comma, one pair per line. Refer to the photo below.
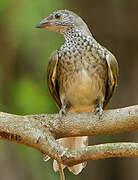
[73,143]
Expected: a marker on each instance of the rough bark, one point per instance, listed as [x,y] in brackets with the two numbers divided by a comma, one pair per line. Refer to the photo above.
[41,132]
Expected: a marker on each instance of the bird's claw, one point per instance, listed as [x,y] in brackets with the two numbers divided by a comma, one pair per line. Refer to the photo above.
[62,113]
[99,111]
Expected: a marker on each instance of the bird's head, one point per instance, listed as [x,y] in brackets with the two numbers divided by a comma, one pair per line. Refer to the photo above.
[61,21]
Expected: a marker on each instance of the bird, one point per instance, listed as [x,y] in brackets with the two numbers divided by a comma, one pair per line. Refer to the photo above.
[82,75]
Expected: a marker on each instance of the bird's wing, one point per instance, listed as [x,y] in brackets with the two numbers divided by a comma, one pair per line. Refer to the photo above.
[112,77]
[52,78]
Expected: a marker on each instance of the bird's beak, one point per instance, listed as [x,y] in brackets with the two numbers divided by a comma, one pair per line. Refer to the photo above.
[44,23]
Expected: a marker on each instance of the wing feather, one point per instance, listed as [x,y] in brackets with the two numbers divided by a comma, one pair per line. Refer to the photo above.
[52,78]
[112,77]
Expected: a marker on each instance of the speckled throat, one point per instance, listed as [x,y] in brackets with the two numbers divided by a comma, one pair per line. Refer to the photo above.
[78,40]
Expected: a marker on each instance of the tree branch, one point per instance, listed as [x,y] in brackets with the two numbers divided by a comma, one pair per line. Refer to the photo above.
[41,132]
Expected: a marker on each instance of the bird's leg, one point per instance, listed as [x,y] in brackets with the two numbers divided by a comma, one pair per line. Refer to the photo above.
[62,112]
[99,108]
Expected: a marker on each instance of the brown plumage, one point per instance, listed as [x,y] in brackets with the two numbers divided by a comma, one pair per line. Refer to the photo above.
[82,74]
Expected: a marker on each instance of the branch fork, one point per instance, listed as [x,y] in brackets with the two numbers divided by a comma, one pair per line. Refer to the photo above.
[41,131]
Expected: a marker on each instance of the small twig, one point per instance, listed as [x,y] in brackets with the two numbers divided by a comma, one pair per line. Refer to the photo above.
[101,151]
[61,171]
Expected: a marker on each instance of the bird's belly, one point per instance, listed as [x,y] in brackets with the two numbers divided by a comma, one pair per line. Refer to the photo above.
[83,90]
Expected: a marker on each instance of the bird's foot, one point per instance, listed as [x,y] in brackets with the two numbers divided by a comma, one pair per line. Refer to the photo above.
[62,113]
[99,111]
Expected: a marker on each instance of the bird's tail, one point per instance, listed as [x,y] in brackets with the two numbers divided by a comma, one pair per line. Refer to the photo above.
[73,143]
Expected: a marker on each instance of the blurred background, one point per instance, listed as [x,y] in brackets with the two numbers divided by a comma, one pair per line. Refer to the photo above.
[24,52]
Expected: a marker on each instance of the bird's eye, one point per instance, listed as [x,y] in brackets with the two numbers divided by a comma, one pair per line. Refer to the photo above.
[57,16]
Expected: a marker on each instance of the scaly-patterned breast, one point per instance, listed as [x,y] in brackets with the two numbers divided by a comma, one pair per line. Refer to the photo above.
[81,78]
